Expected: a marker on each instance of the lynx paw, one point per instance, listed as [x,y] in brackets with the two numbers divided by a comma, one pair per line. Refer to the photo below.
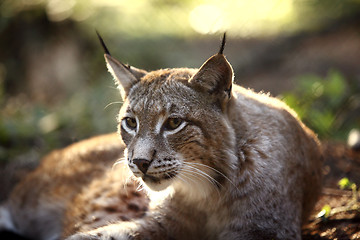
[83,236]
[98,236]
[111,232]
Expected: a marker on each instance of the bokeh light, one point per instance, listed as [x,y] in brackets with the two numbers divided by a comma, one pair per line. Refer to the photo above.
[207,19]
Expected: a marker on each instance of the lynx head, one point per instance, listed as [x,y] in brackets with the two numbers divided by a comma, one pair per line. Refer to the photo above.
[174,123]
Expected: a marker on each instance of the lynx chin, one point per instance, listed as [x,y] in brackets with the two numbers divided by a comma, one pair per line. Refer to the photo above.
[235,164]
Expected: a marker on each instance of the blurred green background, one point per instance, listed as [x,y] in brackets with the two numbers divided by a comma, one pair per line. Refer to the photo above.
[54,87]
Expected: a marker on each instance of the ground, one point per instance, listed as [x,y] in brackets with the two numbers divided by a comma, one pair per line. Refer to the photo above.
[340,162]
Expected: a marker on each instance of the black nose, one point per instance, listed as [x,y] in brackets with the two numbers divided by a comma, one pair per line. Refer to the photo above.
[142,164]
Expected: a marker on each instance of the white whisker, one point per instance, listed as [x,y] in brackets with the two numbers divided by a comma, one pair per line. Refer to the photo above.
[181,175]
[121,161]
[112,103]
[118,162]
[129,176]
[140,187]
[215,170]
[204,174]
[193,171]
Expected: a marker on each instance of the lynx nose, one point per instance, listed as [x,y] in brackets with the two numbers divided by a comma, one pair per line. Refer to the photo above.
[142,164]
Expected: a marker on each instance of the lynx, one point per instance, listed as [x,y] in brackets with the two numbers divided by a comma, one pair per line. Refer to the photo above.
[231,163]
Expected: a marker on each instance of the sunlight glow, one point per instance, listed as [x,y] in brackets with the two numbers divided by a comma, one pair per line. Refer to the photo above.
[206,19]
[59,10]
[237,17]
[243,17]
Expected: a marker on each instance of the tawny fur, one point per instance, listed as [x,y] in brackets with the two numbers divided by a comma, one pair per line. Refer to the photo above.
[240,165]
[245,166]
[36,206]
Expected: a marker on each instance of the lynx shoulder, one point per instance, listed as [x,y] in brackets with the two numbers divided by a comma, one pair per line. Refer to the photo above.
[236,164]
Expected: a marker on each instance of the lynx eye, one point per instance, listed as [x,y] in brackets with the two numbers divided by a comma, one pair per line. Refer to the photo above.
[173,123]
[130,122]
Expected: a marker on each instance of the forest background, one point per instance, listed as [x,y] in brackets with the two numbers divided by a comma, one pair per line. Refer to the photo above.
[55,89]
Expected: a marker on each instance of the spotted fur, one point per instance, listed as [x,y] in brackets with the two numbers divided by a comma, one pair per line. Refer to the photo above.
[240,165]
[225,163]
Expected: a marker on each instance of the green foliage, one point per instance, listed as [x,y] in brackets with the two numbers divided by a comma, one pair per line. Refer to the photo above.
[325,212]
[352,205]
[345,183]
[27,127]
[323,103]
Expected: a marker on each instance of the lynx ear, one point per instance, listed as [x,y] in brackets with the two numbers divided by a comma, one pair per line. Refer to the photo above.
[215,76]
[125,76]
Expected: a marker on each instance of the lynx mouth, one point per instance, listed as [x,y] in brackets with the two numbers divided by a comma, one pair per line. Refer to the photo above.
[150,178]
[159,183]
[166,176]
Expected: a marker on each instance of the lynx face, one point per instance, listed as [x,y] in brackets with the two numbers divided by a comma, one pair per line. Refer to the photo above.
[174,124]
[167,126]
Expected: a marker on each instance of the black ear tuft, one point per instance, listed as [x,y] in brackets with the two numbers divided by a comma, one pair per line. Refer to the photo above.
[106,50]
[223,42]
